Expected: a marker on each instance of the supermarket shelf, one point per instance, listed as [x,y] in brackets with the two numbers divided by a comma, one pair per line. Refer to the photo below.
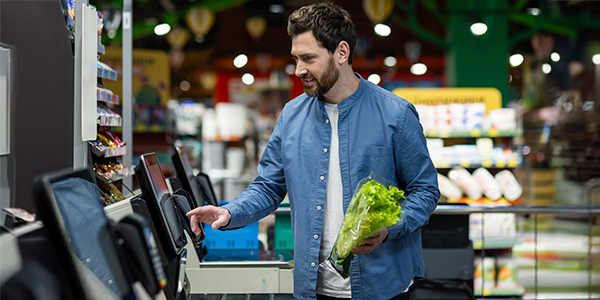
[150,128]
[557,278]
[110,121]
[495,244]
[219,138]
[485,164]
[104,71]
[473,133]
[518,209]
[145,129]
[104,151]
[519,291]
[125,172]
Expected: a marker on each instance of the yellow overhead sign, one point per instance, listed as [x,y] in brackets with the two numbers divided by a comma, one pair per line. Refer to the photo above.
[491,97]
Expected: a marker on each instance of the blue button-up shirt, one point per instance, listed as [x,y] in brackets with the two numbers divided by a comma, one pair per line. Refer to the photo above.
[378,132]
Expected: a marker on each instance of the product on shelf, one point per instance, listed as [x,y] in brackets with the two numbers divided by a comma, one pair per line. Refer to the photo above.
[507,273]
[483,153]
[105,141]
[474,117]
[503,118]
[110,193]
[105,71]
[447,188]
[494,228]
[99,149]
[227,122]
[496,275]
[108,170]
[485,273]
[465,117]
[111,136]
[485,147]
[107,117]
[100,23]
[106,95]
[510,186]
[103,111]
[465,181]
[488,184]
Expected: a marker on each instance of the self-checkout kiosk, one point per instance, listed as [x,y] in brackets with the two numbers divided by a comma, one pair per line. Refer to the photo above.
[227,277]
[164,202]
[112,260]
[31,268]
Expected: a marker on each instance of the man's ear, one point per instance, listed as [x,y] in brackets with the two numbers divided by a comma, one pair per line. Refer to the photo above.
[343,52]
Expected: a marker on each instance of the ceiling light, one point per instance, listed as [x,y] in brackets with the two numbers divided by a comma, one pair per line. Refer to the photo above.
[240,61]
[382,29]
[276,8]
[185,85]
[515,60]
[418,69]
[596,59]
[546,68]
[162,29]
[479,28]
[534,11]
[555,57]
[247,79]
[290,69]
[374,78]
[390,61]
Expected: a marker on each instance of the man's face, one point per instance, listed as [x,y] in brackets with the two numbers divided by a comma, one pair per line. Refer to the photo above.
[314,65]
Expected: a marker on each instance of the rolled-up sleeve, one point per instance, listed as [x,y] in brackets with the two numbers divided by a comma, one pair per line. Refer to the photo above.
[266,191]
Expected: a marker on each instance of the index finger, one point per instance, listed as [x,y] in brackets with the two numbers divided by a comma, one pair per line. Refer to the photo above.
[193,211]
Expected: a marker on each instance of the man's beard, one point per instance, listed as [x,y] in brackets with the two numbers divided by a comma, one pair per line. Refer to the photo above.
[325,83]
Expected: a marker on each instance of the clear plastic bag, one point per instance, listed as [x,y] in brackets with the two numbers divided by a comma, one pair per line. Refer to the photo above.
[377,204]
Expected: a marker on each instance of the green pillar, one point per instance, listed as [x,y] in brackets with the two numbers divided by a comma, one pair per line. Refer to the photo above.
[478,61]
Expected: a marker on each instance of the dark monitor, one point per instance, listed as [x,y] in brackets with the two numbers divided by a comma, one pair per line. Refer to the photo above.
[199,186]
[187,179]
[139,206]
[209,193]
[162,209]
[81,228]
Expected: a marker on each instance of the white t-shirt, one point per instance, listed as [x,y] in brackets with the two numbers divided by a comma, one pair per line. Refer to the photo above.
[330,283]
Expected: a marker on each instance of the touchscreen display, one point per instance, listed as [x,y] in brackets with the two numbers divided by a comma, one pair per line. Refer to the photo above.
[153,185]
[187,166]
[183,167]
[159,184]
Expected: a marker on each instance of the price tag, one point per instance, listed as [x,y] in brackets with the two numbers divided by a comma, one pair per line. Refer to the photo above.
[493,133]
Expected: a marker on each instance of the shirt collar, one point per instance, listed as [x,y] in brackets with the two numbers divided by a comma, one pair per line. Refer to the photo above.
[352,99]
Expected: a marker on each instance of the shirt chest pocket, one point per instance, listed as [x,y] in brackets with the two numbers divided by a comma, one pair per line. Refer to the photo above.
[378,159]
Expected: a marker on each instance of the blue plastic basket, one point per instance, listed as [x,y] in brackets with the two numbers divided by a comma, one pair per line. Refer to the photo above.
[245,238]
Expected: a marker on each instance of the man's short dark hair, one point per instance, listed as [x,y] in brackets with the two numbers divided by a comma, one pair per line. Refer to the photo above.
[329,23]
